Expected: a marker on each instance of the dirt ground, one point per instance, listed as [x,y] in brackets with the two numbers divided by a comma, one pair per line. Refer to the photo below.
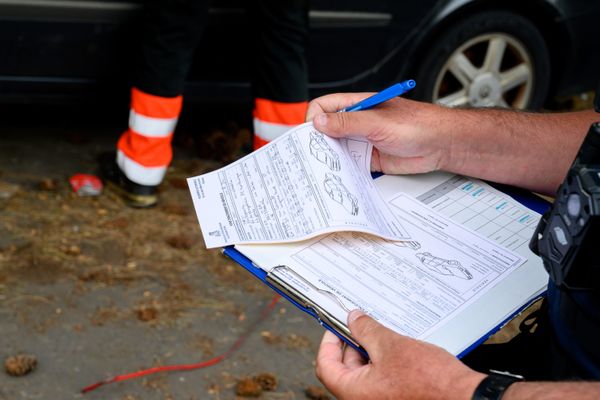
[93,289]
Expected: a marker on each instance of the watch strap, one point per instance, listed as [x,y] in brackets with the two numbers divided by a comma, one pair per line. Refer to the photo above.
[493,386]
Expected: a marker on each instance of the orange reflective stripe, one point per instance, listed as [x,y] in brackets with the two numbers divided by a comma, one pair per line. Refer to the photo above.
[258,142]
[146,151]
[155,106]
[280,113]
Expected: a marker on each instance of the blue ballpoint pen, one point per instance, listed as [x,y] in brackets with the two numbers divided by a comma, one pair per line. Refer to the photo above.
[383,96]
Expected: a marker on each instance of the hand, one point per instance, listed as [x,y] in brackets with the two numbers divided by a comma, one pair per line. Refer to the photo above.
[528,150]
[400,367]
[405,133]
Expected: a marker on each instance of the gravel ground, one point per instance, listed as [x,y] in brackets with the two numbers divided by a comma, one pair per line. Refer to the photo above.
[92,289]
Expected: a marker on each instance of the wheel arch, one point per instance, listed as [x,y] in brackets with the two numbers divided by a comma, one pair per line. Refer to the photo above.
[544,16]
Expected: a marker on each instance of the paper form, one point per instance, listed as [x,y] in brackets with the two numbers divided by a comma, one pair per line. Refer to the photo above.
[411,287]
[472,203]
[484,209]
[301,185]
[502,296]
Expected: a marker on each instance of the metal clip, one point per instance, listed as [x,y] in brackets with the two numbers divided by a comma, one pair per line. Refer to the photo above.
[322,315]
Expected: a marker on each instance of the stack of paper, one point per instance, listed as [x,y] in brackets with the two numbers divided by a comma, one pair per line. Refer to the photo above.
[438,257]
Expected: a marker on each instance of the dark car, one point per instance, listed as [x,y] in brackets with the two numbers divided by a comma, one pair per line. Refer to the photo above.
[477,52]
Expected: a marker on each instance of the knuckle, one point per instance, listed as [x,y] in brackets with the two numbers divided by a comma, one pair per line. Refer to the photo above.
[343,121]
[365,326]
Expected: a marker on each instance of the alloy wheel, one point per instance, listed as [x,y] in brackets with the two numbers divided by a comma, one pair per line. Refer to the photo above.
[490,70]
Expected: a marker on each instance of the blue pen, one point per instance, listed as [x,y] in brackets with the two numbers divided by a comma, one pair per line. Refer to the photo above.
[383,96]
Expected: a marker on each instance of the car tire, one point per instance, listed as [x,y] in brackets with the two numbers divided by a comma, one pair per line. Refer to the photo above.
[493,58]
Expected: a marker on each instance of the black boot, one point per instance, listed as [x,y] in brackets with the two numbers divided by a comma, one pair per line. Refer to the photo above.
[133,194]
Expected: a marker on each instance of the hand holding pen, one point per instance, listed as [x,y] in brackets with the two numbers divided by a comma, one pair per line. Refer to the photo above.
[406,134]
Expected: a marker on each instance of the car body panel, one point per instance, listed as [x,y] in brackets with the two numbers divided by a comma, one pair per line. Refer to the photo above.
[67,48]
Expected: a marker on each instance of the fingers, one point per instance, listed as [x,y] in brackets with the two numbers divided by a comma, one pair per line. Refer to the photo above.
[331,348]
[338,365]
[352,358]
[333,103]
[392,164]
[329,359]
[334,351]
[373,336]
[361,124]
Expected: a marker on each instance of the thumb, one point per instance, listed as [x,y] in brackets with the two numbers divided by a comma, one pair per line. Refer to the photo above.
[343,124]
[371,335]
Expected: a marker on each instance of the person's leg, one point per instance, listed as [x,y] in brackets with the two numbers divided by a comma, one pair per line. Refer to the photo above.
[170,33]
[280,71]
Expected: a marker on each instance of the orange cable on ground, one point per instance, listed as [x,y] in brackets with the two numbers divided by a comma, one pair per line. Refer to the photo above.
[187,367]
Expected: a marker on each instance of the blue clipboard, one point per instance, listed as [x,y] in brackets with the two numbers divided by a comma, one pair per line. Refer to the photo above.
[524,197]
[311,309]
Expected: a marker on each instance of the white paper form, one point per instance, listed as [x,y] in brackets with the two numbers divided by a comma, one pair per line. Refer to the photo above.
[484,209]
[472,203]
[412,287]
[301,185]
[444,192]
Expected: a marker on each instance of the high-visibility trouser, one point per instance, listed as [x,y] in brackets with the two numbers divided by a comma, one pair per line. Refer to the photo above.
[272,118]
[144,149]
[279,78]
[171,32]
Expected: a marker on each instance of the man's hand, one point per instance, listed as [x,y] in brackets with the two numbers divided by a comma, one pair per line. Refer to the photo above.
[528,150]
[400,367]
[403,132]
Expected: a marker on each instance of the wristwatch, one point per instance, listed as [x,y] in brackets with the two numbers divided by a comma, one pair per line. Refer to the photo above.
[493,386]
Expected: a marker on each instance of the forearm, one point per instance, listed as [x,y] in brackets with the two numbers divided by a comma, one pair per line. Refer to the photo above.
[553,390]
[533,151]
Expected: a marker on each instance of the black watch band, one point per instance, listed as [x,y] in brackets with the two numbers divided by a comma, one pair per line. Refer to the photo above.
[493,386]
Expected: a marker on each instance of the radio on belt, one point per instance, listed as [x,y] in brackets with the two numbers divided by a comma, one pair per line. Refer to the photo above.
[568,235]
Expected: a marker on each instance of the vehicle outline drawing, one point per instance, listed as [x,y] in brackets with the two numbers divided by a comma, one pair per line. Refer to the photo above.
[322,152]
[443,266]
[336,190]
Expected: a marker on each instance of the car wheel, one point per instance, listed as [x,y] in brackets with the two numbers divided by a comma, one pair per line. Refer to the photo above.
[491,59]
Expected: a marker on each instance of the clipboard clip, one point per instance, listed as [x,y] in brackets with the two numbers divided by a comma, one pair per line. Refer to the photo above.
[324,317]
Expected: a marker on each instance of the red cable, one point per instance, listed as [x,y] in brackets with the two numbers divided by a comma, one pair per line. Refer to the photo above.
[186,367]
